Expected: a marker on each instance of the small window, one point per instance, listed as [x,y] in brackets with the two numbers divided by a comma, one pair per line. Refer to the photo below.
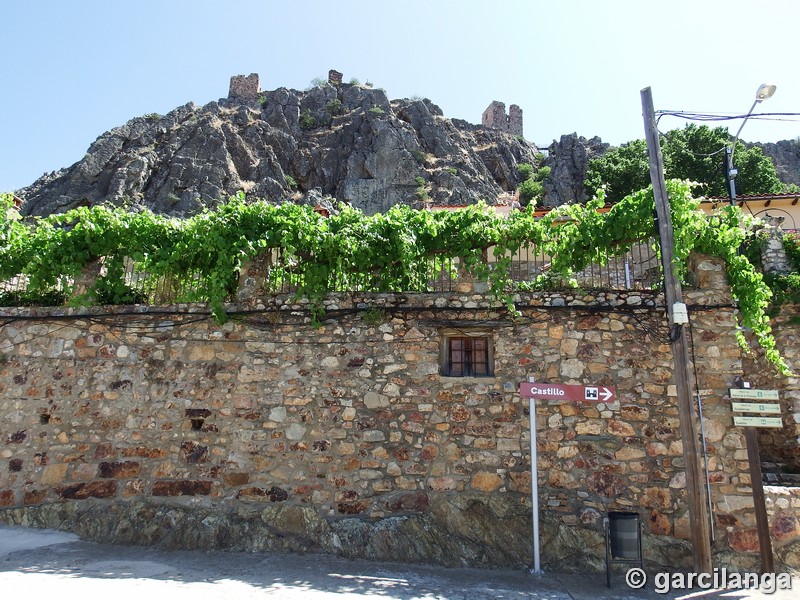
[467,355]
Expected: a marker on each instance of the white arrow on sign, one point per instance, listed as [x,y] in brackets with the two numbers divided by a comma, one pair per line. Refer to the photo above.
[607,393]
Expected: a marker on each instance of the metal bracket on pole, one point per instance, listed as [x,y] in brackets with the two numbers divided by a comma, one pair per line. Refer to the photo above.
[730,175]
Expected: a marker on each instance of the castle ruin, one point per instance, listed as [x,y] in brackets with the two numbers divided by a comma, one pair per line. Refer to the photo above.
[495,117]
[244,88]
[335,77]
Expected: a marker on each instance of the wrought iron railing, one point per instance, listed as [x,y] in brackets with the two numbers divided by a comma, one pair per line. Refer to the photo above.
[636,268]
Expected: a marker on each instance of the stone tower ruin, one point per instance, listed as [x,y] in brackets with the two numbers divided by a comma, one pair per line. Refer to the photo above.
[244,88]
[334,77]
[495,117]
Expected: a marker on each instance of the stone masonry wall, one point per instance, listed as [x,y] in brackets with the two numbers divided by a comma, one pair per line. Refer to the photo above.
[515,120]
[781,445]
[159,426]
[244,88]
[495,116]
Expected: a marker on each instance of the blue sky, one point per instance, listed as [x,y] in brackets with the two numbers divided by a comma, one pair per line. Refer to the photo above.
[71,70]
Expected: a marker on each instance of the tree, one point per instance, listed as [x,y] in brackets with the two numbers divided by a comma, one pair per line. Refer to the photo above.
[622,170]
[696,153]
[531,189]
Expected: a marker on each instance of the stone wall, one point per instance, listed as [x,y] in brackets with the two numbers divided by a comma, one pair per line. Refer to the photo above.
[781,446]
[514,120]
[335,77]
[244,88]
[159,426]
[495,117]
[783,508]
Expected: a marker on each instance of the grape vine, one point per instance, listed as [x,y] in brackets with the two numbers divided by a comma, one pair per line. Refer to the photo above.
[388,251]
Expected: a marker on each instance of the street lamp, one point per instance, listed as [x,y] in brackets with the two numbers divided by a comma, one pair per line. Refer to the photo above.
[765,90]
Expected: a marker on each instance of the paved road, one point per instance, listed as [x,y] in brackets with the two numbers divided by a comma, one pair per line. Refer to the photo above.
[39,563]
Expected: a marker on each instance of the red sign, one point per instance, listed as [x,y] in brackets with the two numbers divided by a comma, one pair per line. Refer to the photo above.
[560,391]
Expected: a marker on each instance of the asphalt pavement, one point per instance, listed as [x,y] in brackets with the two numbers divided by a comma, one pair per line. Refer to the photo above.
[40,563]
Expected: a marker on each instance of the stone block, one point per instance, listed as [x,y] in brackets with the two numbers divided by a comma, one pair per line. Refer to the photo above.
[620,428]
[92,489]
[416,501]
[590,427]
[142,452]
[442,484]
[486,481]
[659,523]
[632,412]
[34,497]
[181,488]
[744,540]
[656,497]
[353,508]
[605,485]
[53,474]
[628,453]
[192,452]
[133,488]
[785,527]
[119,470]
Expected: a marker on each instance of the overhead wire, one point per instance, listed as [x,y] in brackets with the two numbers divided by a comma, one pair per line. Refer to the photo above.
[698,116]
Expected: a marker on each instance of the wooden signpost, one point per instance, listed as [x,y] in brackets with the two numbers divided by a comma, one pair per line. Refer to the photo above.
[750,423]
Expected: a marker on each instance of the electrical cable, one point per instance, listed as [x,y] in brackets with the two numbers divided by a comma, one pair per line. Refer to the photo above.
[698,116]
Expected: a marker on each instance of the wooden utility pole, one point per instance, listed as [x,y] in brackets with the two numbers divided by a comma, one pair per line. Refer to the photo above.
[757,485]
[699,515]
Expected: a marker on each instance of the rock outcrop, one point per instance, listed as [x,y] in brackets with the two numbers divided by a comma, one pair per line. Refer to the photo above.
[349,141]
[568,160]
[786,157]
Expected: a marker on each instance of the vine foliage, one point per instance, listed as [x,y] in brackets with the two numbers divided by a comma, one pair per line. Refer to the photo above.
[382,253]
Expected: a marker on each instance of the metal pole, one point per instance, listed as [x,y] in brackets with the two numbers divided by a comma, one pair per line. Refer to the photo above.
[534,489]
[705,465]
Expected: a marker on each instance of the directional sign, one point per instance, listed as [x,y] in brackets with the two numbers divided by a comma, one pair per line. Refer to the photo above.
[773,409]
[560,391]
[748,394]
[757,421]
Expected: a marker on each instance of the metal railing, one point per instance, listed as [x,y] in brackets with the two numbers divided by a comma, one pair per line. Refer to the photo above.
[637,268]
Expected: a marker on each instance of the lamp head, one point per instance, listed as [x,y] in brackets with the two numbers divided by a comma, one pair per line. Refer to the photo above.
[765,90]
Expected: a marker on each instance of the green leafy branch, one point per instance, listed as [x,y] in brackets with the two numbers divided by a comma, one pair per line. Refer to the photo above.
[381,253]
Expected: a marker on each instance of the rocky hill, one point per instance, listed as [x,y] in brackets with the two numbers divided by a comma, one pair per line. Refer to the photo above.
[568,159]
[786,157]
[347,141]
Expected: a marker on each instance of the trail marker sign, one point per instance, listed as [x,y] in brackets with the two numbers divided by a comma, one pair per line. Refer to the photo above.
[753,407]
[757,421]
[574,393]
[751,394]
